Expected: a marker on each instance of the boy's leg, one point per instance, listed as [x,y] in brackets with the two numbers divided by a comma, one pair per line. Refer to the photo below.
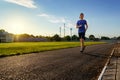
[82,42]
[80,38]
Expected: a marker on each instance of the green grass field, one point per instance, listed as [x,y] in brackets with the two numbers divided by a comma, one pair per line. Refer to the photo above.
[7,49]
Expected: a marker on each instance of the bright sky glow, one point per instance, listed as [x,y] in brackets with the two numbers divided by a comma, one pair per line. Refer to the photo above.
[45,17]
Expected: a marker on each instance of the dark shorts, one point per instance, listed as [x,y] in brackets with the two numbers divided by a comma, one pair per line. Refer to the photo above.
[82,35]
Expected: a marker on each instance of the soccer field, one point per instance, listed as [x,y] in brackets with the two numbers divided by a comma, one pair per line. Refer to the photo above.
[7,49]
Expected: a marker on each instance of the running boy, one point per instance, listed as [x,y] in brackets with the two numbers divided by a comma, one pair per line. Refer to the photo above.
[82,28]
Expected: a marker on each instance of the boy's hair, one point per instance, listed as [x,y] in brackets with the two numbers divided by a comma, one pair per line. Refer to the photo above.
[81,14]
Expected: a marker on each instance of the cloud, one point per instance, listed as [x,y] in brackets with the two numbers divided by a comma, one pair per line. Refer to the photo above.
[70,24]
[53,19]
[58,20]
[25,3]
[44,15]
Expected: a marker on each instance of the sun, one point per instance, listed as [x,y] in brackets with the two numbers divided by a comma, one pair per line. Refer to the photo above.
[17,25]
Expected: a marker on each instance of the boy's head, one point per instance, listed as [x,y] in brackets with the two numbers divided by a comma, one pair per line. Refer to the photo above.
[81,16]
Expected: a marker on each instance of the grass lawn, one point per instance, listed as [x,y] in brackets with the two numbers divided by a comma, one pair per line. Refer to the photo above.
[7,49]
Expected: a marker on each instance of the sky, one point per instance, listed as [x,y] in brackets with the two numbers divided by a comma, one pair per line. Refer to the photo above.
[45,17]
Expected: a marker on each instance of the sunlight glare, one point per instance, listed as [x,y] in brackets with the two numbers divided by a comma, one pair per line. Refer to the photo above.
[17,25]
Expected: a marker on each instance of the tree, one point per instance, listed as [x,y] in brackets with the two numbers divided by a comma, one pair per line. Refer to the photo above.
[118,38]
[92,37]
[105,38]
[96,39]
[56,37]
[2,30]
[24,36]
[75,38]
[67,38]
[48,38]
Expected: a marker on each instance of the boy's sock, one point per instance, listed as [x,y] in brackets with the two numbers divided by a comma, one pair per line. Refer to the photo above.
[81,49]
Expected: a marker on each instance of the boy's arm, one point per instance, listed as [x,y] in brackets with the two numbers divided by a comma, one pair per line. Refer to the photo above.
[86,26]
[77,26]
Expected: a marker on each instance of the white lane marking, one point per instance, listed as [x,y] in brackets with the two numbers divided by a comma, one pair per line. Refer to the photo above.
[101,74]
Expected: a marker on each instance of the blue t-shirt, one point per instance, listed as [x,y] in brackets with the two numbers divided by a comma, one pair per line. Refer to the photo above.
[82,23]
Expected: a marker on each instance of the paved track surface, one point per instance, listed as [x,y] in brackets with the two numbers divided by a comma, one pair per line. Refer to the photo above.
[64,64]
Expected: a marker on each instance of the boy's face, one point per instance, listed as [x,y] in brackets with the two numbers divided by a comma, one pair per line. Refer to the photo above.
[81,16]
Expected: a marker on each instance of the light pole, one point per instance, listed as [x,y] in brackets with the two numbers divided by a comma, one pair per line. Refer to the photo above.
[60,31]
[64,29]
[71,33]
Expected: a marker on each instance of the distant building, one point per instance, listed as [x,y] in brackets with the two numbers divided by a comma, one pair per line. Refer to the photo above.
[5,36]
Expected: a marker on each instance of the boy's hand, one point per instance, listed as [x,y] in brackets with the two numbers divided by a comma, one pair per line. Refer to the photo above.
[79,26]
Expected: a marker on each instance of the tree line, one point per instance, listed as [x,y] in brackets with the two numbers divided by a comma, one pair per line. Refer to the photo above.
[56,37]
[76,38]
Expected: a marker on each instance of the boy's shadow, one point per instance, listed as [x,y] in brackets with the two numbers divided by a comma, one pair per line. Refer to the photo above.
[95,53]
